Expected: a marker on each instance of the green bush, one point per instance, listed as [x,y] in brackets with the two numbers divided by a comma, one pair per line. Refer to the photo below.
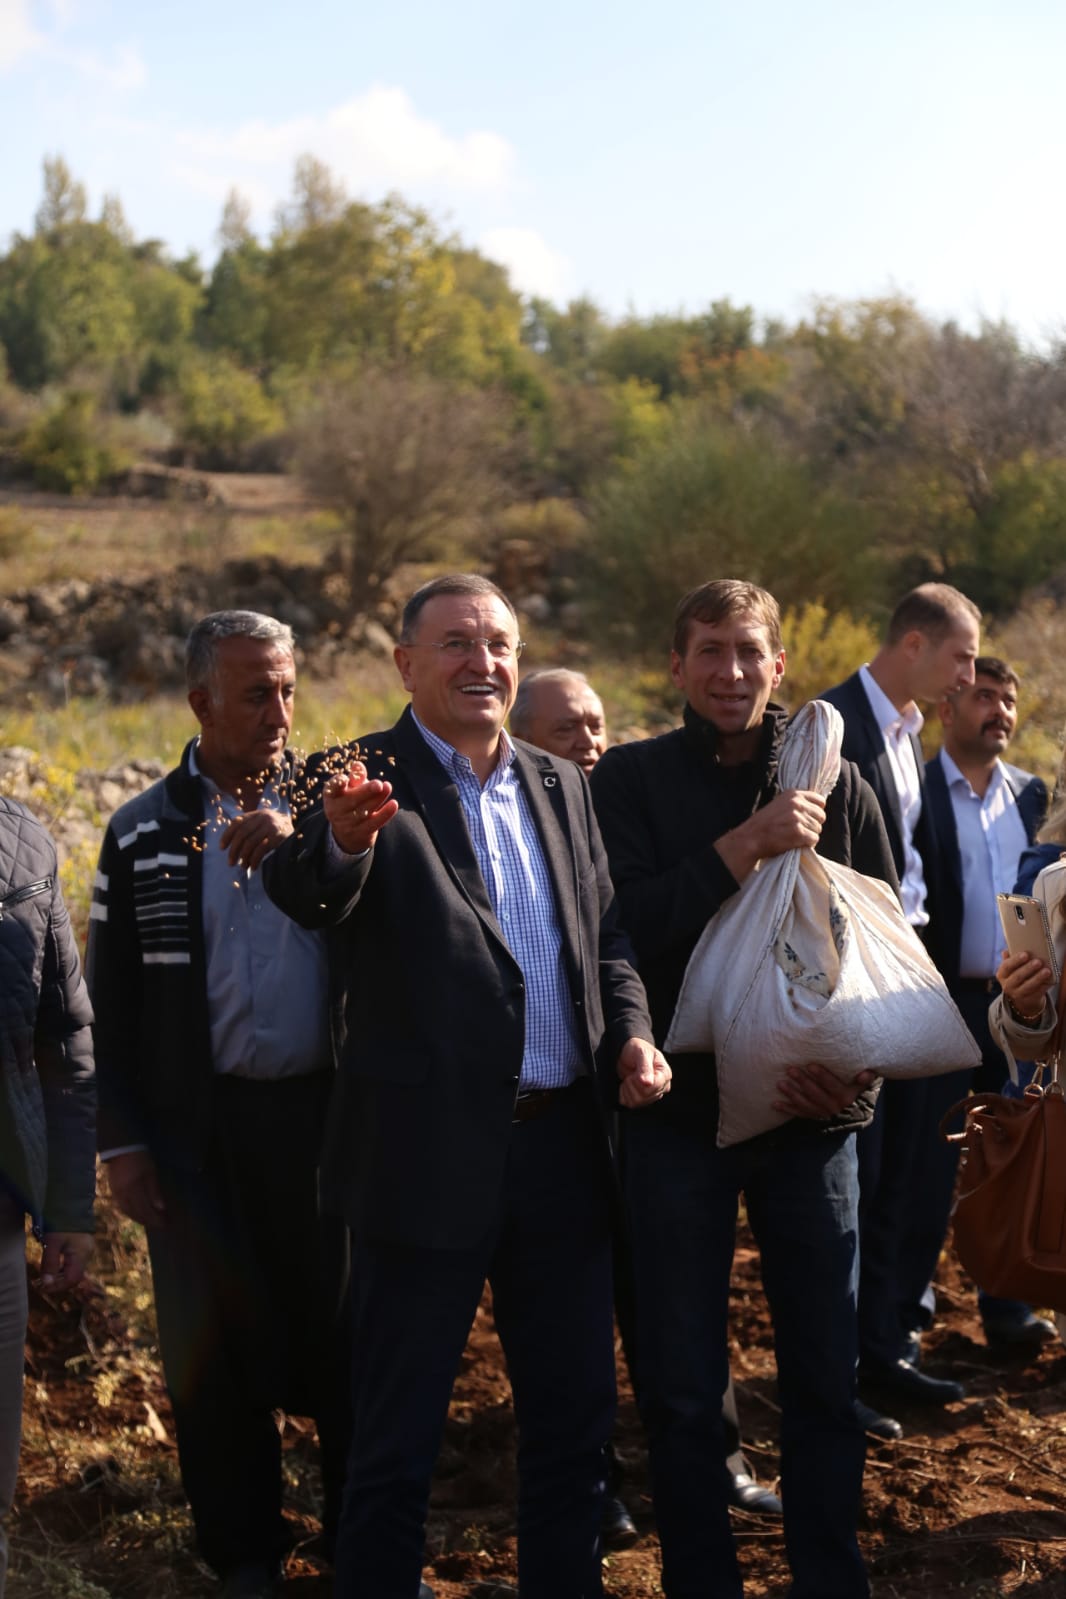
[71,447]
[219,410]
[702,501]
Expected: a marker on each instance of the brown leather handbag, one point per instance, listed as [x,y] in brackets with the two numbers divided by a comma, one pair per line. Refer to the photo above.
[1010,1213]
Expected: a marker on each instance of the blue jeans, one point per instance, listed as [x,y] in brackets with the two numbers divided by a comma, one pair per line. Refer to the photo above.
[802,1202]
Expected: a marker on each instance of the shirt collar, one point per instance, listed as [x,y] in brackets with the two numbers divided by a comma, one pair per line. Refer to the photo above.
[271,794]
[954,775]
[455,762]
[889,719]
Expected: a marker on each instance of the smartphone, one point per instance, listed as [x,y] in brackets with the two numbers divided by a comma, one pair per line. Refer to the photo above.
[1025,928]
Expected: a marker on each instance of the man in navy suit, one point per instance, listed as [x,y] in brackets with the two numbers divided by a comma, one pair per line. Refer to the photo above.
[984,813]
[475,921]
[929,651]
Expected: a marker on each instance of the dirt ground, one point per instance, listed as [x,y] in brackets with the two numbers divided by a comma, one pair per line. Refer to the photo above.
[971,1502]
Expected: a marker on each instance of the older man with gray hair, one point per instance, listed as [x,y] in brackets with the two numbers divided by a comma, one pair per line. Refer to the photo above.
[214,1036]
[559,711]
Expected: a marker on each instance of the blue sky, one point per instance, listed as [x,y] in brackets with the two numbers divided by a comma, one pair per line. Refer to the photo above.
[653,156]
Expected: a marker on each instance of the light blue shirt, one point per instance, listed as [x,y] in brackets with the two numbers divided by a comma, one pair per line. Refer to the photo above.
[991,838]
[267,978]
[509,854]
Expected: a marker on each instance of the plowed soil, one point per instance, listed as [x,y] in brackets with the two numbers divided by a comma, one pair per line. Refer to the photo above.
[972,1500]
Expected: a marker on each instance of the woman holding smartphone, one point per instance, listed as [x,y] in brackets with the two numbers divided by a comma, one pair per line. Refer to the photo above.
[1022,1018]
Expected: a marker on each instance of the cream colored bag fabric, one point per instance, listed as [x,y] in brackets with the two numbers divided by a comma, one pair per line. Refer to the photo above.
[811,961]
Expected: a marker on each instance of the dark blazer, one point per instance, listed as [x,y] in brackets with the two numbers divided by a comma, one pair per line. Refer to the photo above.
[419,1132]
[864,744]
[1031,795]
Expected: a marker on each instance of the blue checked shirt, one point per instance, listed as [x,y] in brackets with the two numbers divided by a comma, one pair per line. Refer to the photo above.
[512,864]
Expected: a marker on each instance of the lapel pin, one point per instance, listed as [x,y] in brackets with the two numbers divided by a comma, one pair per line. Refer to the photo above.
[549,781]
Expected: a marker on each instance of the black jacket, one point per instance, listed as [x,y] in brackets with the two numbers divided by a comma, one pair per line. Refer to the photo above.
[419,1132]
[661,804]
[48,1115]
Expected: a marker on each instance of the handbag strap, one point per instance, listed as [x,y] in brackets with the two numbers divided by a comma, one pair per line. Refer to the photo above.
[972,1102]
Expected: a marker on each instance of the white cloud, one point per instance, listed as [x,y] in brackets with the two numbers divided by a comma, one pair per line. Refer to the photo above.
[18,37]
[126,71]
[372,142]
[534,266]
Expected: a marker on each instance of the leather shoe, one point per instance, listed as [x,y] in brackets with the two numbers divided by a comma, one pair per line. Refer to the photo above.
[1020,1330]
[425,1591]
[745,1494]
[899,1378]
[252,1579]
[617,1527]
[873,1421]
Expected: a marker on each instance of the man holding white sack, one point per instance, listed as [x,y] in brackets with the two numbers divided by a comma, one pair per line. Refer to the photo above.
[686,817]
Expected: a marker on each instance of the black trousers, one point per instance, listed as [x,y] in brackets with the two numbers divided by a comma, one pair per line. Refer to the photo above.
[251,1289]
[547,1255]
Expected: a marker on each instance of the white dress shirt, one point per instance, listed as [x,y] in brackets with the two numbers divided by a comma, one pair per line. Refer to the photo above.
[897,728]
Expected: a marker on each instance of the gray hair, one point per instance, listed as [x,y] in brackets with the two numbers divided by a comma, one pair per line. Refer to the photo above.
[201,646]
[522,709]
[461,583]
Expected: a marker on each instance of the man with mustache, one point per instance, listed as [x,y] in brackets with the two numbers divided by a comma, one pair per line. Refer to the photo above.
[984,813]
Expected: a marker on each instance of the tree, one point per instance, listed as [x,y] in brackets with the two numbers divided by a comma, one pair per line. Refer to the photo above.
[64,203]
[317,198]
[703,499]
[235,226]
[404,459]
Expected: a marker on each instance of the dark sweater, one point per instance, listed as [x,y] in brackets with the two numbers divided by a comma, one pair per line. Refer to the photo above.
[661,803]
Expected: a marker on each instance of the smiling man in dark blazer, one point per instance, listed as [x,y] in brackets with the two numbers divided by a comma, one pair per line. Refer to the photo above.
[475,916]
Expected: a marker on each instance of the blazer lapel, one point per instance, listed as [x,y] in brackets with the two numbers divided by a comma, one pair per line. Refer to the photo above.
[437,799]
[942,817]
[880,767]
[547,801]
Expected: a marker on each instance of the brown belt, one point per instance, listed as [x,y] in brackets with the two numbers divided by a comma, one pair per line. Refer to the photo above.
[537,1101]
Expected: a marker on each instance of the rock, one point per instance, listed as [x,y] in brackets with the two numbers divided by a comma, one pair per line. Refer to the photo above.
[537,607]
[44,605]
[11,619]
[90,676]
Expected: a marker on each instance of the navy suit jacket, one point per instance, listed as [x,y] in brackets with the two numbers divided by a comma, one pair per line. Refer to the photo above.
[864,743]
[1031,795]
[418,1135]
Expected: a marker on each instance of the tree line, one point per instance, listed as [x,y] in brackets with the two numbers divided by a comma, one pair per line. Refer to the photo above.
[840,458]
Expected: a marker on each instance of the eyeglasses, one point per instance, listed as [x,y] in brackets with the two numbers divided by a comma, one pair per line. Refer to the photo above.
[461,649]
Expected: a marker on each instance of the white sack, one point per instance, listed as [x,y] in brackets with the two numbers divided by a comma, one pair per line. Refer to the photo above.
[811,961]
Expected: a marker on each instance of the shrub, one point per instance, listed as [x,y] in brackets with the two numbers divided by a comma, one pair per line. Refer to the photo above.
[71,447]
